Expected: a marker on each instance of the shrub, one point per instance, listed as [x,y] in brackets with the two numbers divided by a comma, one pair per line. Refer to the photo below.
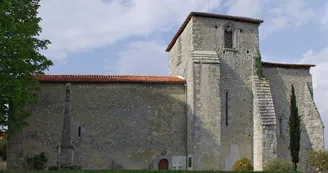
[72,167]
[37,162]
[258,65]
[242,165]
[3,148]
[319,159]
[278,165]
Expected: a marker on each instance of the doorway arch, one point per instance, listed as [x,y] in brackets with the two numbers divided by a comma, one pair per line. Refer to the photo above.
[163,164]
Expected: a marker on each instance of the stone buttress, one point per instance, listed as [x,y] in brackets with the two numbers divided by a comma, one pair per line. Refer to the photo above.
[66,148]
[265,124]
[206,111]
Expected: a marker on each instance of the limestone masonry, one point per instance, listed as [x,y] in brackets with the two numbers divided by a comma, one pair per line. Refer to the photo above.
[209,112]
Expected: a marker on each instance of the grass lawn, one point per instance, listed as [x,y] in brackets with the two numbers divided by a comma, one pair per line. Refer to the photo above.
[128,171]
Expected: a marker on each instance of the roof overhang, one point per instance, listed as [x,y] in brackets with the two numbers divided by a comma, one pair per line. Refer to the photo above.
[108,79]
[284,65]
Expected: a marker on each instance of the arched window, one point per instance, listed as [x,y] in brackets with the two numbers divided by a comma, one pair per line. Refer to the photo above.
[228,37]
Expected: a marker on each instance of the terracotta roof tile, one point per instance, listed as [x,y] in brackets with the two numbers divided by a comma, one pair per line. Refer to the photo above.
[109,79]
[283,65]
[210,15]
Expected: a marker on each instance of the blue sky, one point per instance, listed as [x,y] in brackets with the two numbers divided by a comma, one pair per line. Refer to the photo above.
[129,37]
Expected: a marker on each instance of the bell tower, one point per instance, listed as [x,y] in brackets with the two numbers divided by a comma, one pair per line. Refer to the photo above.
[215,54]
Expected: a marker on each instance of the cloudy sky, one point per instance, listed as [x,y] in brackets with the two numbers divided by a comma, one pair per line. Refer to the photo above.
[130,36]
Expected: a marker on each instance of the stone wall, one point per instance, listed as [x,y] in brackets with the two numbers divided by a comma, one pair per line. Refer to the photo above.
[232,73]
[180,53]
[264,124]
[133,125]
[236,99]
[206,119]
[281,80]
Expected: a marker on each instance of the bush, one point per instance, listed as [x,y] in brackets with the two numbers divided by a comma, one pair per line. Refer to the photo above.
[242,165]
[73,167]
[278,165]
[3,148]
[37,162]
[319,159]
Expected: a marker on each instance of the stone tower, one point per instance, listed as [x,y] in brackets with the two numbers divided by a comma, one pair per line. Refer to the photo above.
[215,54]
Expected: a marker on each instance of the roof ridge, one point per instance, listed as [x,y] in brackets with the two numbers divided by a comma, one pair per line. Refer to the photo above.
[108,78]
[288,65]
[234,17]
[101,75]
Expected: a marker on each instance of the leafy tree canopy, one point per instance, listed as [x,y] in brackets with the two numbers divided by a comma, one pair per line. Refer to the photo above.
[20,59]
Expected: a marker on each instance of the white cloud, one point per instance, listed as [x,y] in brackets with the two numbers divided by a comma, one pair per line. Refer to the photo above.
[319,75]
[142,58]
[287,14]
[81,25]
[277,15]
[324,20]
[249,8]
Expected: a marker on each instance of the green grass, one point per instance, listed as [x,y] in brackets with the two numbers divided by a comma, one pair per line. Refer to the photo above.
[127,171]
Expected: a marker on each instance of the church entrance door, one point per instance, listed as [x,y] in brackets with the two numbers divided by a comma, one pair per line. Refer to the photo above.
[163,164]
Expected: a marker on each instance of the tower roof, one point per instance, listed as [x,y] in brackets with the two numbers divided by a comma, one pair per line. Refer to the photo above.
[210,15]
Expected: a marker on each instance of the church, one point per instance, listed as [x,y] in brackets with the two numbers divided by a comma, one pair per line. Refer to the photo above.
[212,110]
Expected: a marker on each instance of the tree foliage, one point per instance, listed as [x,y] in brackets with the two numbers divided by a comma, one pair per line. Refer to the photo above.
[20,59]
[3,146]
[278,165]
[318,159]
[243,164]
[258,65]
[37,162]
[295,130]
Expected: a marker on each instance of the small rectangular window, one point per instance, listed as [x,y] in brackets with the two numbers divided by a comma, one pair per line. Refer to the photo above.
[281,128]
[189,162]
[79,131]
[226,107]
[178,60]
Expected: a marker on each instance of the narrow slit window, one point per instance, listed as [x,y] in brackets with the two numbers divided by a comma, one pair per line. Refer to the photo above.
[281,127]
[79,131]
[228,37]
[226,107]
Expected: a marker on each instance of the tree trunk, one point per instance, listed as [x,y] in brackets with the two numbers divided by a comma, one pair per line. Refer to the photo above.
[294,167]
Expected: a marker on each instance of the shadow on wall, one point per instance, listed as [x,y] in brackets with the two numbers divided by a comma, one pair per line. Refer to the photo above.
[133,126]
[236,112]
[281,83]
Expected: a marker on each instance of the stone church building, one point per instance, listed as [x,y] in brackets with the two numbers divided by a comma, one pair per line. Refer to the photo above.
[210,111]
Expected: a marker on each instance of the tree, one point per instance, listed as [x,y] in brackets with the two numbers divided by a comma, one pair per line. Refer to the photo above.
[20,60]
[294,131]
[258,65]
[3,146]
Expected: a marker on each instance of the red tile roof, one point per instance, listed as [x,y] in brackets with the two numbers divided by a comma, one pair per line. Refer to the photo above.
[283,65]
[109,79]
[210,15]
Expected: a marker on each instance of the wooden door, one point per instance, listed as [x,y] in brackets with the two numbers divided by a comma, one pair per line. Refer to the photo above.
[163,164]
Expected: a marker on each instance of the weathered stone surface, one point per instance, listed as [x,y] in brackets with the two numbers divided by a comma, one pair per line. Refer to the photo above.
[207,87]
[131,124]
[281,80]
[220,115]
[66,149]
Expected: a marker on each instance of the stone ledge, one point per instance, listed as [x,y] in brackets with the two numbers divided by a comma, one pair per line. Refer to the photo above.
[206,57]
